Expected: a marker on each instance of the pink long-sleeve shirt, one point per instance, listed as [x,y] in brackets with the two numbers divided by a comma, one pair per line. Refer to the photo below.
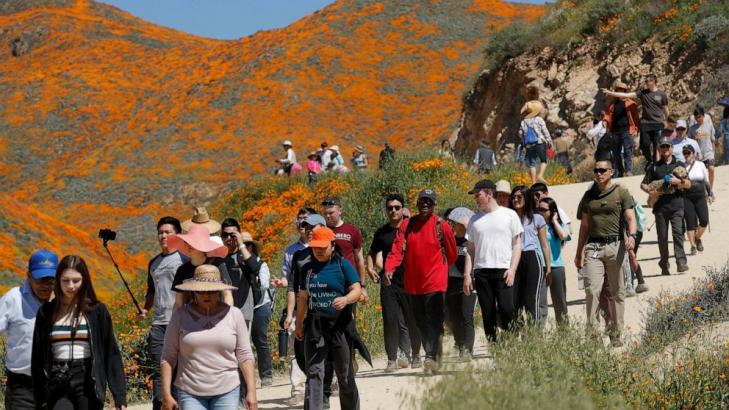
[207,359]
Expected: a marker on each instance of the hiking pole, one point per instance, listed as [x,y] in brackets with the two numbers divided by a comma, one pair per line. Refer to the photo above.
[107,235]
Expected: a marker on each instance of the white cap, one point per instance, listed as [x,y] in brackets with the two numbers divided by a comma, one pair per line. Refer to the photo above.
[681,124]
[334,148]
[503,186]
[288,142]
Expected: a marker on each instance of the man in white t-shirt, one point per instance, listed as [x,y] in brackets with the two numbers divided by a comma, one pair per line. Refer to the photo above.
[494,243]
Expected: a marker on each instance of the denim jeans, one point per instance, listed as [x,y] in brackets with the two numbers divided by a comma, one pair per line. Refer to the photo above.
[156,345]
[225,401]
[622,152]
[259,336]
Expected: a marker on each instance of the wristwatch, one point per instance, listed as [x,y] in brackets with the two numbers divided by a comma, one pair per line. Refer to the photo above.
[634,235]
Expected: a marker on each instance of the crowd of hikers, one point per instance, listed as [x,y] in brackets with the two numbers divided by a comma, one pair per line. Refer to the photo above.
[211,296]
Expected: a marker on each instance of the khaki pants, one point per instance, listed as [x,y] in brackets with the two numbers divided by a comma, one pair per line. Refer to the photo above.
[603,258]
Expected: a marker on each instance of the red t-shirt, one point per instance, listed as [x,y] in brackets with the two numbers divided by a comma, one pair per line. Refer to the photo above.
[425,269]
[348,238]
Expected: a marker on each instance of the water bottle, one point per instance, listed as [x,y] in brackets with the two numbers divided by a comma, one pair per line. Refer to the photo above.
[283,344]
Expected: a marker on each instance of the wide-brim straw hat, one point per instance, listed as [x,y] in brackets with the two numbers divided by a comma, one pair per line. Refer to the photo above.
[619,85]
[246,237]
[198,237]
[205,279]
[200,217]
[532,109]
[359,148]
[312,155]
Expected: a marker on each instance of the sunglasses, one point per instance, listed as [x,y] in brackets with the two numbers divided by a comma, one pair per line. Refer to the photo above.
[426,201]
[543,209]
[601,170]
[46,281]
[686,153]
[226,235]
[394,208]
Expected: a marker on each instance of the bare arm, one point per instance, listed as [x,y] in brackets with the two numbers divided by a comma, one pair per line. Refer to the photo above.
[610,93]
[168,402]
[467,278]
[629,215]
[290,304]
[515,257]
[301,314]
[561,233]
[359,260]
[582,240]
[545,248]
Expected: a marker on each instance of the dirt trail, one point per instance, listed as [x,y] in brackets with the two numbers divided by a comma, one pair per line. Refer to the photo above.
[386,391]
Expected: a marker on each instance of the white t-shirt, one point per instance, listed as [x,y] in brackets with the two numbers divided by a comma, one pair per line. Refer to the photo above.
[491,234]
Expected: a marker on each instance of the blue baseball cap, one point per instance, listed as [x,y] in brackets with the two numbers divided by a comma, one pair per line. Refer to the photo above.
[43,264]
[314,220]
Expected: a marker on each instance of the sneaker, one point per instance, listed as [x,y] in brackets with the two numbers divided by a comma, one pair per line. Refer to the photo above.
[693,251]
[392,366]
[403,361]
[682,268]
[665,272]
[641,288]
[699,245]
[296,400]
[429,366]
[416,363]
[465,355]
[629,292]
[266,382]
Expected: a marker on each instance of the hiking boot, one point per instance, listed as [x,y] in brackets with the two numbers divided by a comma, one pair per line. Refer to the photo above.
[429,366]
[629,292]
[266,382]
[699,245]
[665,272]
[682,268]
[403,361]
[416,363]
[641,288]
[295,400]
[693,251]
[392,366]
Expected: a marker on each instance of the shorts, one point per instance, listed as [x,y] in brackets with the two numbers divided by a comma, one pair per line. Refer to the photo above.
[708,162]
[536,153]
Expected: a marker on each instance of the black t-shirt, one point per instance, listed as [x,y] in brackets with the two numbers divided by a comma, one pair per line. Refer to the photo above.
[620,117]
[298,262]
[382,242]
[187,271]
[457,269]
[658,171]
[652,111]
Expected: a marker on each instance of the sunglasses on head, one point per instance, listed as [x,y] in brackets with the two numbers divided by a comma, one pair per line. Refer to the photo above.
[601,170]
[394,207]
[329,202]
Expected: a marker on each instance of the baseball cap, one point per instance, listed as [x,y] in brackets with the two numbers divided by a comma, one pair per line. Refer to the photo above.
[503,186]
[427,193]
[482,184]
[43,264]
[314,220]
[287,142]
[688,147]
[681,124]
[321,237]
[664,141]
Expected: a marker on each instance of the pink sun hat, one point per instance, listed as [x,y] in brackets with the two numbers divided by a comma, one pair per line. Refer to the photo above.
[198,237]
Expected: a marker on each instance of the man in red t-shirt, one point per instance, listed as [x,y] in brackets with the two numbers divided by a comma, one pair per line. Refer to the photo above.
[348,238]
[429,253]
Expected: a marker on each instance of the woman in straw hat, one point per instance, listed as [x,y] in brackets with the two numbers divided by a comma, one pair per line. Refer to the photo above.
[359,157]
[535,137]
[313,166]
[207,341]
[197,245]
[622,121]
[328,289]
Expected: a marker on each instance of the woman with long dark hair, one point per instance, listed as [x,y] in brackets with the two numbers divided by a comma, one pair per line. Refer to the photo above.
[74,350]
[533,274]
[557,235]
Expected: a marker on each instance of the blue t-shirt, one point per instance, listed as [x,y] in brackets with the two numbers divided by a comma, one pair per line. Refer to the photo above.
[326,281]
[530,239]
[555,246]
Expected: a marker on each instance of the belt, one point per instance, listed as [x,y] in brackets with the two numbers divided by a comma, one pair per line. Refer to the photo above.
[604,240]
[18,377]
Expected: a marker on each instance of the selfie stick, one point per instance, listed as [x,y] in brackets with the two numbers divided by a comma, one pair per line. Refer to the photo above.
[136,304]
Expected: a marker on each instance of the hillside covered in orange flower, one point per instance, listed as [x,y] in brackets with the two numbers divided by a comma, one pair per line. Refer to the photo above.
[106,119]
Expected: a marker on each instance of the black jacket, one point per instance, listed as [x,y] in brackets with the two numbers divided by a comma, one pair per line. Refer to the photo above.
[105,355]
[244,276]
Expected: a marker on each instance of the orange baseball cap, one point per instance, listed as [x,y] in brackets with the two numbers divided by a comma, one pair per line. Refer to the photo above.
[321,237]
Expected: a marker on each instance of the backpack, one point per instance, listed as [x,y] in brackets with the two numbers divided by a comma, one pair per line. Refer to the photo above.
[530,136]
[439,230]
[485,159]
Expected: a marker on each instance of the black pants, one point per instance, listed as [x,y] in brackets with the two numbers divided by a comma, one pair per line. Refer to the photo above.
[460,313]
[429,315]
[695,212]
[649,143]
[300,355]
[318,348]
[676,220]
[495,298]
[558,291]
[530,287]
[639,273]
[399,329]
[79,393]
[19,392]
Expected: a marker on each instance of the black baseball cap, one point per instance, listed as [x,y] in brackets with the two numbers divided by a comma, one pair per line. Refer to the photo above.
[427,193]
[482,184]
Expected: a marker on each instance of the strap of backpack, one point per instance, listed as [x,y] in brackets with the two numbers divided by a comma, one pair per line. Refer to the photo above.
[439,229]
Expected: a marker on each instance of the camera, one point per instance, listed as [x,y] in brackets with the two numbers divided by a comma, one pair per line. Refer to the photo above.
[107,234]
[60,377]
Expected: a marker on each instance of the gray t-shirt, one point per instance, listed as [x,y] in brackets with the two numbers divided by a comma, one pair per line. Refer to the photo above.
[704,135]
[160,274]
[652,103]
[530,239]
